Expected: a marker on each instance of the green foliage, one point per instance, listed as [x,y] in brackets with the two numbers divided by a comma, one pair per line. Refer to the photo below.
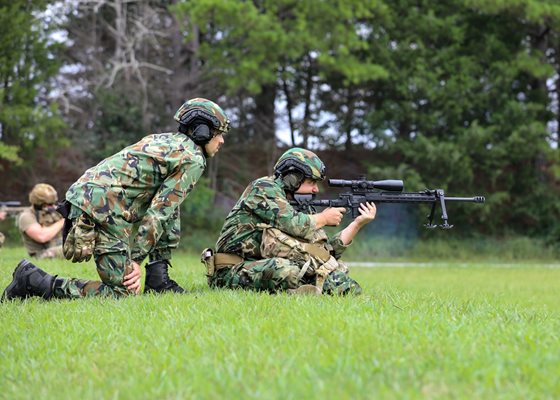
[118,123]
[446,331]
[248,43]
[466,109]
[9,153]
[198,214]
[28,61]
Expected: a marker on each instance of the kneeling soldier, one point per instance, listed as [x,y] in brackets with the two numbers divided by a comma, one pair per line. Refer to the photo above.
[126,208]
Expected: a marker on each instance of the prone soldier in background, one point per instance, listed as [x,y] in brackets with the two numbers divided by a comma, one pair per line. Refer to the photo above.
[40,225]
[266,244]
[126,209]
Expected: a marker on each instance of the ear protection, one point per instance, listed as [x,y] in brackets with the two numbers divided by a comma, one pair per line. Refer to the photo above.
[202,123]
[292,181]
[201,133]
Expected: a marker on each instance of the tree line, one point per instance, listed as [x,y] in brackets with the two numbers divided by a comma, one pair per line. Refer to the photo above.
[458,94]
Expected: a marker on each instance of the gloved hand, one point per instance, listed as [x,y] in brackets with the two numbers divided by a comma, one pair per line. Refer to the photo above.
[80,241]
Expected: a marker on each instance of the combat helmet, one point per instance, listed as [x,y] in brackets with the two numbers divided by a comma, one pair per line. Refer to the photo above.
[42,193]
[203,119]
[301,163]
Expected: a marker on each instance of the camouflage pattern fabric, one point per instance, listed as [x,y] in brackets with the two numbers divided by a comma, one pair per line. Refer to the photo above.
[264,203]
[303,160]
[279,274]
[137,190]
[113,263]
[143,185]
[51,252]
[222,122]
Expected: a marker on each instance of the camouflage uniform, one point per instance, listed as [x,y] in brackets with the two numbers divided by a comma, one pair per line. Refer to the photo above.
[126,208]
[264,203]
[142,187]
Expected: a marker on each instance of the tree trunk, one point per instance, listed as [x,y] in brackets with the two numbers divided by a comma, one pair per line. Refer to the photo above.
[265,127]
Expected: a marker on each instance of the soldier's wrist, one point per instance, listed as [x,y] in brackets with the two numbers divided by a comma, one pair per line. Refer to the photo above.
[139,258]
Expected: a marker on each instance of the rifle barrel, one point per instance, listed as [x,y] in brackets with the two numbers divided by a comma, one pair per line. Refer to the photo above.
[475,199]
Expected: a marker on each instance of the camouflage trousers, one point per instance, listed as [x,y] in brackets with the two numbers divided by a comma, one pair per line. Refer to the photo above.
[113,262]
[279,274]
[112,256]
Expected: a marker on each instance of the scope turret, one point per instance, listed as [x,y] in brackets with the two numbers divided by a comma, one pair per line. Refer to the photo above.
[393,185]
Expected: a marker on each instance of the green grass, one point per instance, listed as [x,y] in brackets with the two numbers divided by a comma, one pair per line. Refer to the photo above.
[448,331]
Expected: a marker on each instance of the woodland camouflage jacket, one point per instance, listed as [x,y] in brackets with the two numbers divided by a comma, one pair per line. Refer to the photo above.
[143,184]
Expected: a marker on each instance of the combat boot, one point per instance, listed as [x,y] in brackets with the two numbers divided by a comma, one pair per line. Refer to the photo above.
[157,278]
[306,290]
[28,281]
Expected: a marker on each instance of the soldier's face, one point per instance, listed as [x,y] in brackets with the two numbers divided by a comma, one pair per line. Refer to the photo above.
[308,186]
[213,146]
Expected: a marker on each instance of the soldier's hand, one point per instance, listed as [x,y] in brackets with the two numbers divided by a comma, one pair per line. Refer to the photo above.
[333,215]
[133,279]
[367,213]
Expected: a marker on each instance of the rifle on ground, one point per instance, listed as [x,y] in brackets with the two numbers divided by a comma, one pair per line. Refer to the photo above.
[385,191]
[11,207]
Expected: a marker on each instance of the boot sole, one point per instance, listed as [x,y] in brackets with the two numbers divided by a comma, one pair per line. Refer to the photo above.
[161,291]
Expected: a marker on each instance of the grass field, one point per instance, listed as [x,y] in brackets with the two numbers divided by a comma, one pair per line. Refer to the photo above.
[448,331]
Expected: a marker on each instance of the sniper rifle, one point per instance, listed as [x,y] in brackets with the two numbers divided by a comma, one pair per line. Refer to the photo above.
[385,191]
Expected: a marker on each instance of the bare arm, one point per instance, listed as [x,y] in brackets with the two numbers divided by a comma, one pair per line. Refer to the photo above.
[44,234]
[367,214]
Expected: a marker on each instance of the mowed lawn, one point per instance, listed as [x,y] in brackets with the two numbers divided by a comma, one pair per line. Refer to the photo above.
[447,331]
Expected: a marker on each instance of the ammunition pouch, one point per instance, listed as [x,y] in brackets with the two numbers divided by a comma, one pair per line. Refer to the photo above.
[314,257]
[217,261]
[80,241]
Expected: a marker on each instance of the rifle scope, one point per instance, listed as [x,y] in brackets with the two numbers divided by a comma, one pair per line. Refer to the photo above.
[393,185]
